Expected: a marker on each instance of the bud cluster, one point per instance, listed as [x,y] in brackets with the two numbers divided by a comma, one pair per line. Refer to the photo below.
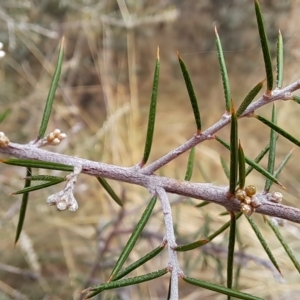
[249,202]
[55,137]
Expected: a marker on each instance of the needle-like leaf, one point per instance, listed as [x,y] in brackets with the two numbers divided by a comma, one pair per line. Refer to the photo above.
[202,204]
[191,92]
[279,71]
[200,243]
[258,158]
[169,289]
[109,190]
[133,238]
[220,289]
[249,98]
[37,187]
[125,282]
[36,164]
[252,163]
[242,167]
[225,80]
[51,94]
[284,244]
[139,262]
[225,167]
[152,113]
[45,178]
[282,164]
[230,255]
[23,207]
[296,99]
[190,165]
[4,115]
[233,152]
[272,152]
[263,242]
[278,130]
[264,47]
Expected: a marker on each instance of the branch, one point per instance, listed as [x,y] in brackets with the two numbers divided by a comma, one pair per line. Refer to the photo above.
[135,175]
[277,94]
[170,236]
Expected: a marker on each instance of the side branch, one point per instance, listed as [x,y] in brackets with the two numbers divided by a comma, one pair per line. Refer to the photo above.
[135,175]
[277,94]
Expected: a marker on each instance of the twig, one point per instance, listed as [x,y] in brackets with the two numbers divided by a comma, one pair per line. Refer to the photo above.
[170,236]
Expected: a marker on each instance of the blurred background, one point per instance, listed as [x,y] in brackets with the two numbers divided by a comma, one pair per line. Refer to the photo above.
[102,105]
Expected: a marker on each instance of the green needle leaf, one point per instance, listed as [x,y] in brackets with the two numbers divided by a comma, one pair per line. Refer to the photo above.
[242,167]
[224,74]
[46,178]
[233,153]
[190,165]
[51,94]
[272,152]
[23,207]
[296,99]
[37,164]
[282,164]
[264,47]
[109,190]
[230,256]
[37,187]
[249,98]
[191,92]
[279,79]
[220,289]
[283,243]
[202,204]
[200,243]
[263,242]
[152,113]
[4,115]
[133,238]
[278,130]
[139,262]
[169,289]
[252,163]
[258,158]
[225,167]
[125,282]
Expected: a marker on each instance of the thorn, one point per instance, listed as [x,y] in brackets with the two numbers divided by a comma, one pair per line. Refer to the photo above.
[157,52]
[62,44]
[216,31]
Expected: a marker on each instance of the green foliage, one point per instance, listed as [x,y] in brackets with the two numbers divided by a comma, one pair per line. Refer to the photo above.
[51,95]
[264,47]
[152,112]
[191,93]
[225,80]
[23,207]
[236,174]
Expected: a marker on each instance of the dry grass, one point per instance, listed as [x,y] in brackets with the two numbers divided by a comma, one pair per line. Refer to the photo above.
[102,105]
